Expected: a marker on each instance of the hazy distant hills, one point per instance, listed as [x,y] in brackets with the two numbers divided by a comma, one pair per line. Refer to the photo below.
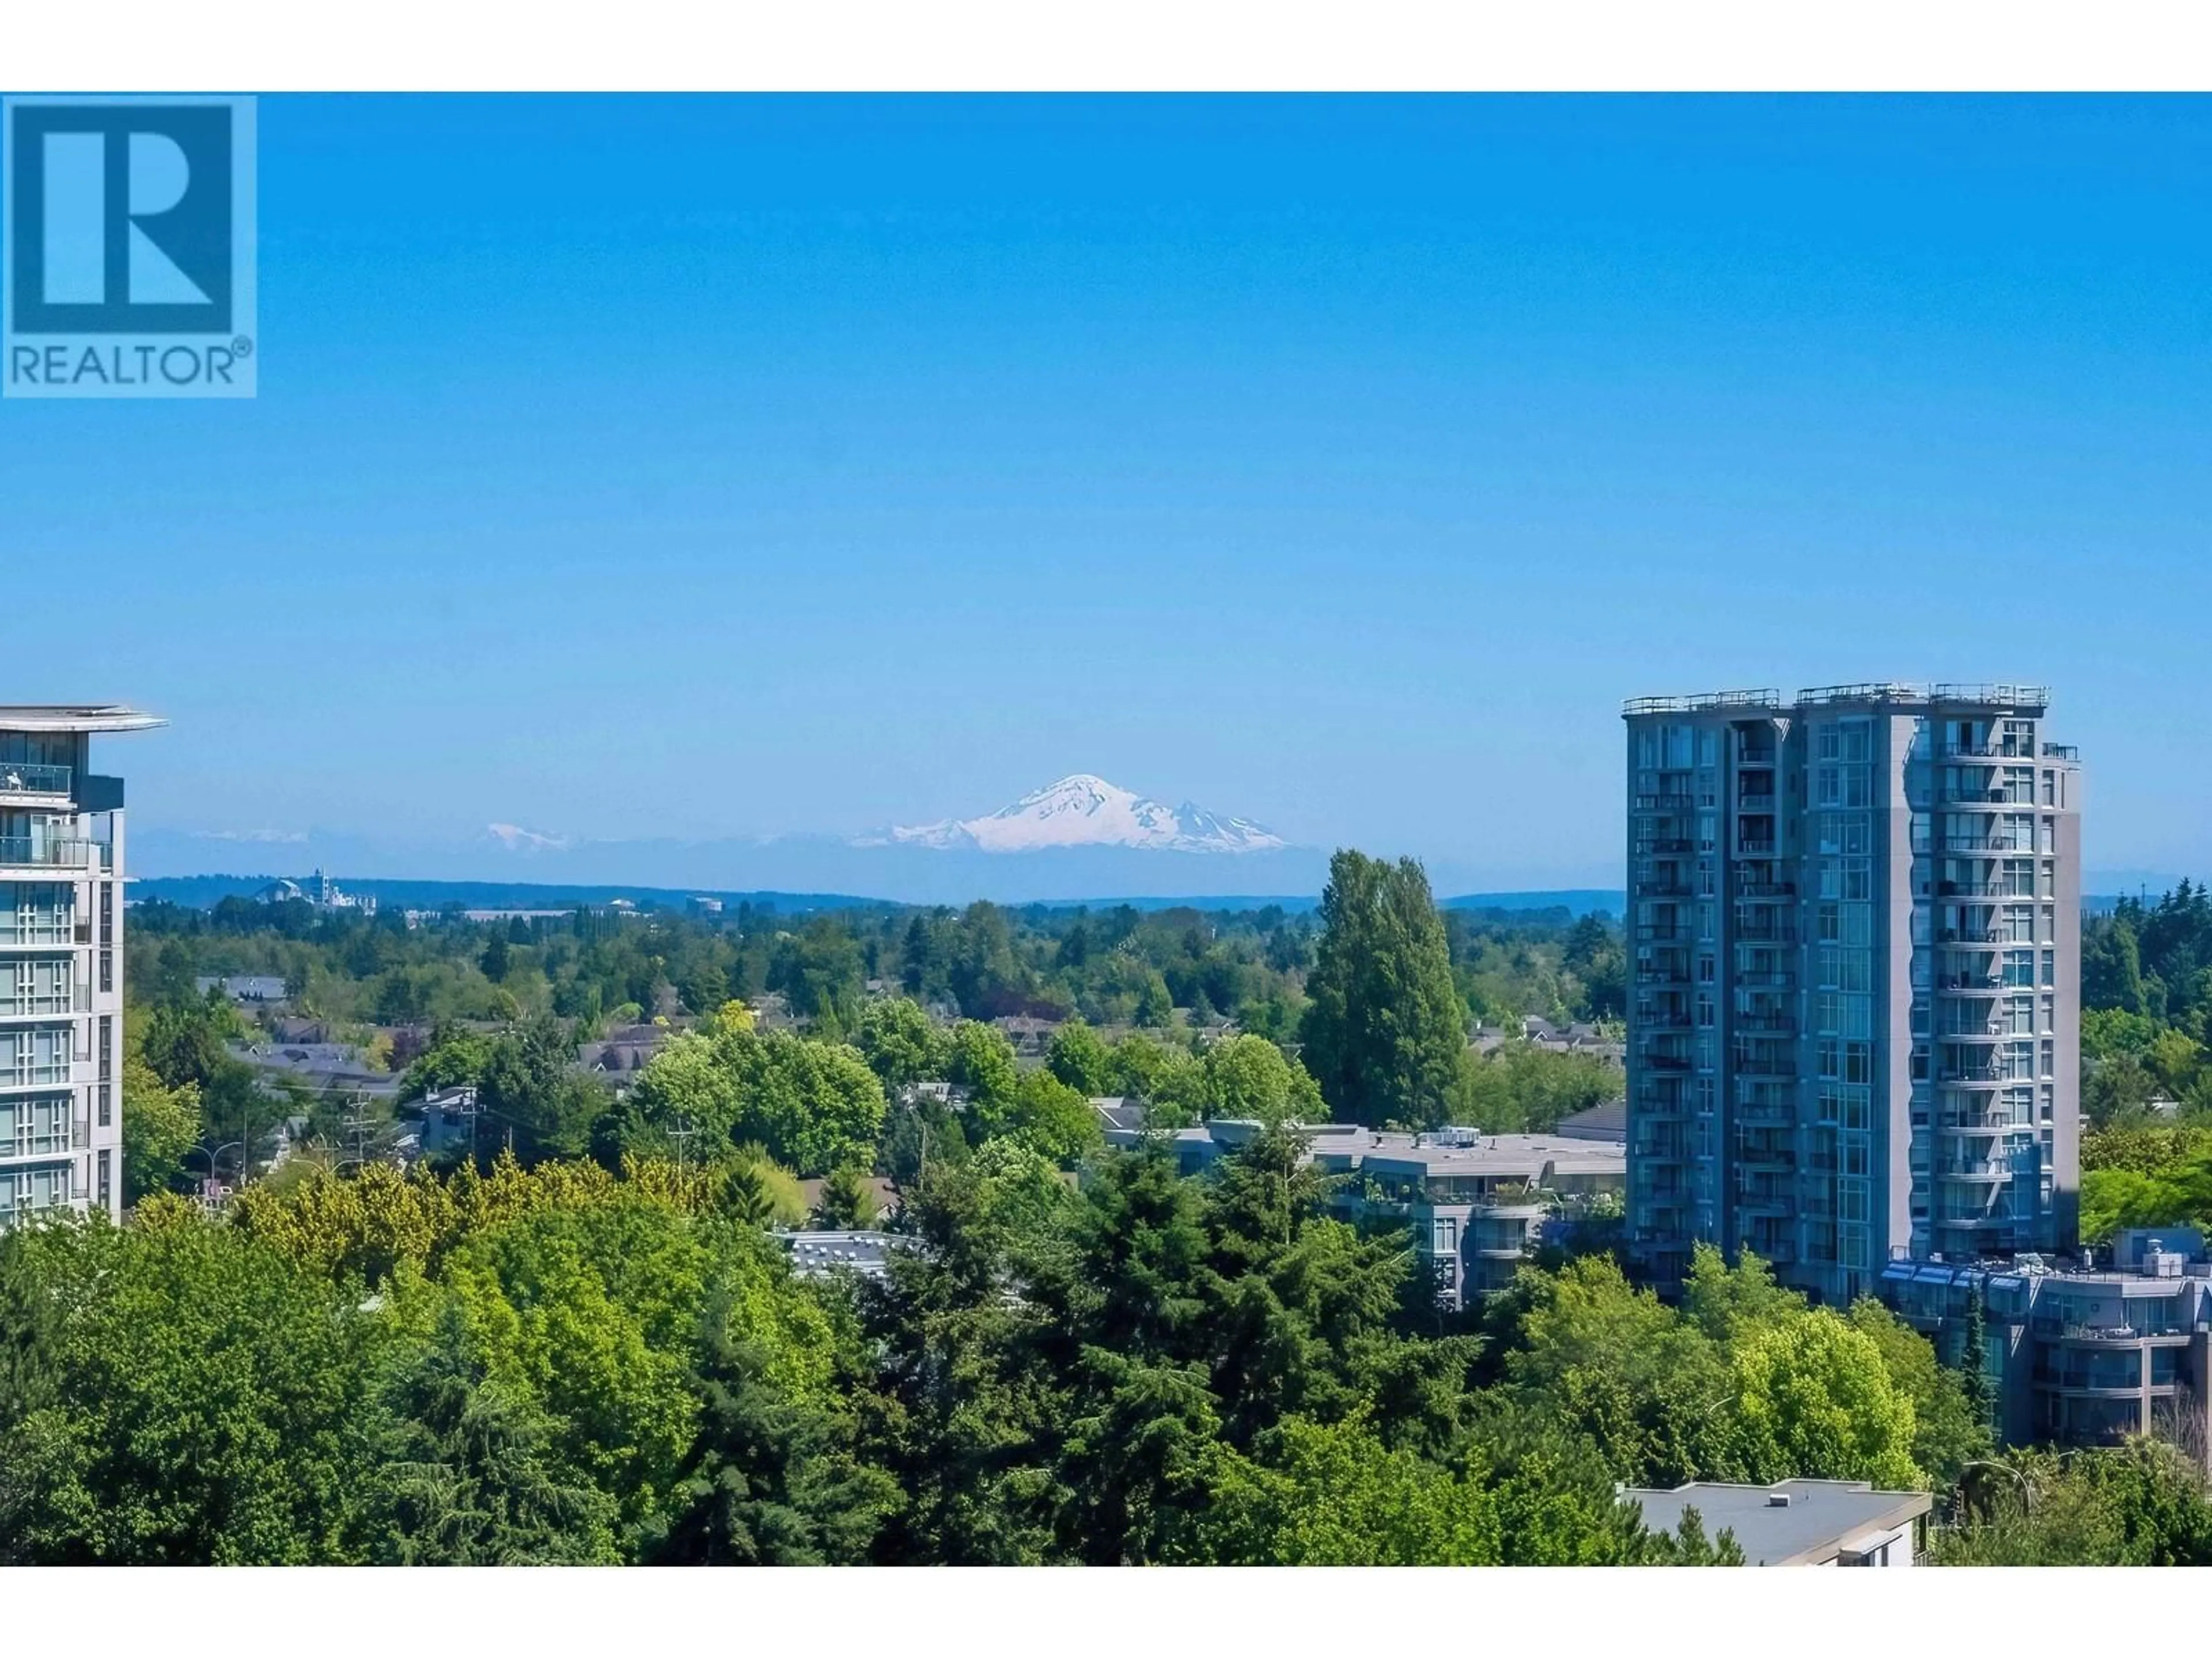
[1077,839]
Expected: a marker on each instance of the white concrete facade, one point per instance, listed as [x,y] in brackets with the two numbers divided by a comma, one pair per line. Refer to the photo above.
[61,962]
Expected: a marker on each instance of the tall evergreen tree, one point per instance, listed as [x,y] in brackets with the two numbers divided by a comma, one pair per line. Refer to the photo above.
[1385,1030]
[1973,1362]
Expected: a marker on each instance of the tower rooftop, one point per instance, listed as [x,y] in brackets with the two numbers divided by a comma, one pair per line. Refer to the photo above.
[75,717]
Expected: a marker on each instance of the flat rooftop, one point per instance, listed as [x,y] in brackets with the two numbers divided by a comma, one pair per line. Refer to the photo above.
[75,717]
[1819,1518]
[1998,694]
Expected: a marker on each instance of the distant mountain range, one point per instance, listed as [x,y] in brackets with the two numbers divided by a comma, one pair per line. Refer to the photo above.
[200,892]
[1084,811]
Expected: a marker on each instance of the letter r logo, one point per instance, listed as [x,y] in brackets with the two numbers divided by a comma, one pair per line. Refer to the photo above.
[121,218]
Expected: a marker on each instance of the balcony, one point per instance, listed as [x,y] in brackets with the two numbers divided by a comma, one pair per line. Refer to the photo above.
[1660,846]
[1971,1077]
[1973,936]
[1763,979]
[1976,1174]
[1763,933]
[1970,984]
[27,1075]
[1663,1062]
[1748,889]
[1754,850]
[1649,932]
[24,778]
[1784,1023]
[1768,1068]
[47,1005]
[46,852]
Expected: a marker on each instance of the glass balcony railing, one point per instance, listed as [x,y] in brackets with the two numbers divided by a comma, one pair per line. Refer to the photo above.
[45,852]
[26,778]
[33,1074]
[31,1004]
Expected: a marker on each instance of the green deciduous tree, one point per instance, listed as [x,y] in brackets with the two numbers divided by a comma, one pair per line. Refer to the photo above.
[901,1043]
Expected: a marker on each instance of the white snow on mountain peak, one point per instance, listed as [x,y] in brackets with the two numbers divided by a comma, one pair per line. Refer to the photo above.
[1081,810]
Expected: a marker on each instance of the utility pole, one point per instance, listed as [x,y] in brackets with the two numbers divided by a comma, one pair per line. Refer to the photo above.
[355,1124]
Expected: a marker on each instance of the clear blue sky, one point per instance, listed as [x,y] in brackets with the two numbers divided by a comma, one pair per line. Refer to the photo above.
[639,467]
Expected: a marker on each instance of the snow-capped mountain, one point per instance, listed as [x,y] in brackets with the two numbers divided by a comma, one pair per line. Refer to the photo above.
[1083,811]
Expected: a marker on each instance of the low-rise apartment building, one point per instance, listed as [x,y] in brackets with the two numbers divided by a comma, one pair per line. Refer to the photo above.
[2082,1355]
[1798,1523]
[1477,1205]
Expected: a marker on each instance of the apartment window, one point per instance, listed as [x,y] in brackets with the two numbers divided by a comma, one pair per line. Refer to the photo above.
[1847,1016]
[106,1100]
[2049,1012]
[107,913]
[2020,923]
[2048,1104]
[2049,788]
[106,1048]
[34,1125]
[2019,784]
[108,970]
[2019,1016]
[2020,967]
[1858,1062]
[107,1175]
[34,1055]
[2051,967]
[2050,879]
[2049,831]
[2049,1058]
[2050,921]
[1443,1234]
[2019,739]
